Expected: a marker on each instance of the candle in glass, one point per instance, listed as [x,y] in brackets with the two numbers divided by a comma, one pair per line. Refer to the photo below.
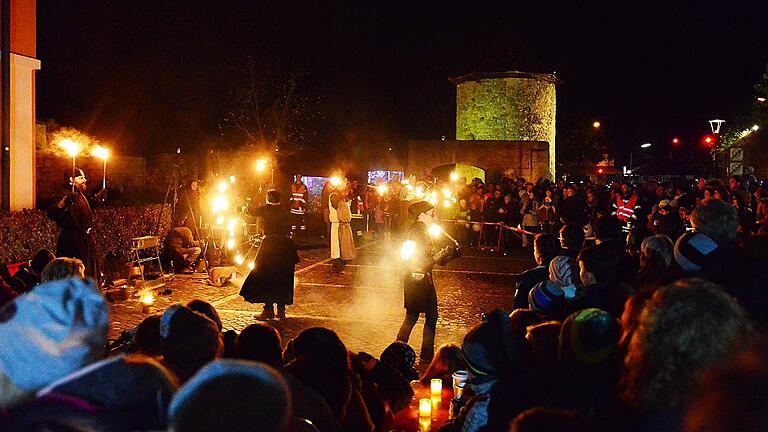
[425,407]
[436,386]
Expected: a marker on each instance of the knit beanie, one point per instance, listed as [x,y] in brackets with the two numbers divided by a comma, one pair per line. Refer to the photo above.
[546,298]
[692,249]
[489,347]
[588,337]
[188,336]
[232,395]
[563,272]
[52,331]
[125,383]
[401,357]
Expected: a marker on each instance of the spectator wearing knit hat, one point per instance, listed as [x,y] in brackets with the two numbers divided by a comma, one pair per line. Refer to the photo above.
[189,340]
[232,396]
[134,390]
[493,353]
[589,361]
[545,248]
[48,333]
[551,298]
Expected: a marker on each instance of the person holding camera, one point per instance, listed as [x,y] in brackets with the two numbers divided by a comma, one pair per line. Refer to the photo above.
[419,256]
[73,216]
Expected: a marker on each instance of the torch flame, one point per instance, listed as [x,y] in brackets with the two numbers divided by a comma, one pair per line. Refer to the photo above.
[71,147]
[219,204]
[101,152]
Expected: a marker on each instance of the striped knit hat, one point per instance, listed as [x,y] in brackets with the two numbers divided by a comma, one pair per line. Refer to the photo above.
[692,249]
[564,273]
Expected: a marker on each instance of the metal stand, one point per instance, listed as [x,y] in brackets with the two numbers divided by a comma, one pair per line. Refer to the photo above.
[146,243]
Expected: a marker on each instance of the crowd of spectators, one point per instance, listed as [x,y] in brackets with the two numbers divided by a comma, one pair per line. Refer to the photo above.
[647,326]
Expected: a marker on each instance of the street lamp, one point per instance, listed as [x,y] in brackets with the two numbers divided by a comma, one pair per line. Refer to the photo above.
[596,125]
[642,146]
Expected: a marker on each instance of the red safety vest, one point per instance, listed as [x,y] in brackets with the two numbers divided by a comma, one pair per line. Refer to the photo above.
[299,197]
[625,209]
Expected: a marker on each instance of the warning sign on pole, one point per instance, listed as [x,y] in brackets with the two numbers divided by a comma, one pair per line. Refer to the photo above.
[734,168]
[736,154]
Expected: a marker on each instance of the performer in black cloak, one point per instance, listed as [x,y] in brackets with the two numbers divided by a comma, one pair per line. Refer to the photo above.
[73,216]
[419,255]
[271,280]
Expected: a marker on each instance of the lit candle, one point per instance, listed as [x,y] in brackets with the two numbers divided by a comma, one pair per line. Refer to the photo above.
[425,424]
[425,407]
[146,302]
[436,386]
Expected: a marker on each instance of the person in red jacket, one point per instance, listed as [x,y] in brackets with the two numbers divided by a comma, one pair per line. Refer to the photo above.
[627,206]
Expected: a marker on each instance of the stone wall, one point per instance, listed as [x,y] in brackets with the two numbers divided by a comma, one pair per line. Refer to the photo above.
[510,106]
[529,159]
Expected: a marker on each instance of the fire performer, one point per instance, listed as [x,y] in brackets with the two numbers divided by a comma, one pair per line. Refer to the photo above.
[271,280]
[72,214]
[419,255]
[299,197]
[342,238]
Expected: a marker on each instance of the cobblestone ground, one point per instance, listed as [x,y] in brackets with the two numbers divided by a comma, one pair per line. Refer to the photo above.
[364,305]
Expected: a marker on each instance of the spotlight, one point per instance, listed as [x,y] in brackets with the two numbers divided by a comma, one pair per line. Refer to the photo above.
[231,243]
[239,259]
[251,265]
[336,181]
[222,187]
[454,176]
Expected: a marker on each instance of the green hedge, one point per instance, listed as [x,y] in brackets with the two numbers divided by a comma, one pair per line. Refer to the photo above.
[24,232]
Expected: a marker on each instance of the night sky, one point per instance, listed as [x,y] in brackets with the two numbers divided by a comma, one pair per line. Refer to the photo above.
[157,75]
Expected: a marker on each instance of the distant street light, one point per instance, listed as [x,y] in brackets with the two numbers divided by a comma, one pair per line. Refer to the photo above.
[596,125]
[642,146]
[761,99]
[755,127]
[675,140]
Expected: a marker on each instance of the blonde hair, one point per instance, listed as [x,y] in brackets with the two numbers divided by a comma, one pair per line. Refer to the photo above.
[62,268]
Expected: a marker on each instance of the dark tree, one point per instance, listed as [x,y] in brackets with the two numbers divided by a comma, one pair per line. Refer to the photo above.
[273,105]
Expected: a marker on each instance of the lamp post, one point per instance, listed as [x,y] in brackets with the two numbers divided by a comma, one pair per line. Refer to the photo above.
[642,147]
[715,125]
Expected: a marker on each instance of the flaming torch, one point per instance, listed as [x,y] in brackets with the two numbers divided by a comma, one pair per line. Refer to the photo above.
[102,153]
[72,149]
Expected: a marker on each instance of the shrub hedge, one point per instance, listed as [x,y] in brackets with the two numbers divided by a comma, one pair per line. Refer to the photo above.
[24,232]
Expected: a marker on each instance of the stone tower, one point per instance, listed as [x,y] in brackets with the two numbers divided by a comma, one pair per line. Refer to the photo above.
[509,106]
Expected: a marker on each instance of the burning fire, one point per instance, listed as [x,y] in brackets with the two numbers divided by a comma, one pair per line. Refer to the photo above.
[148,299]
